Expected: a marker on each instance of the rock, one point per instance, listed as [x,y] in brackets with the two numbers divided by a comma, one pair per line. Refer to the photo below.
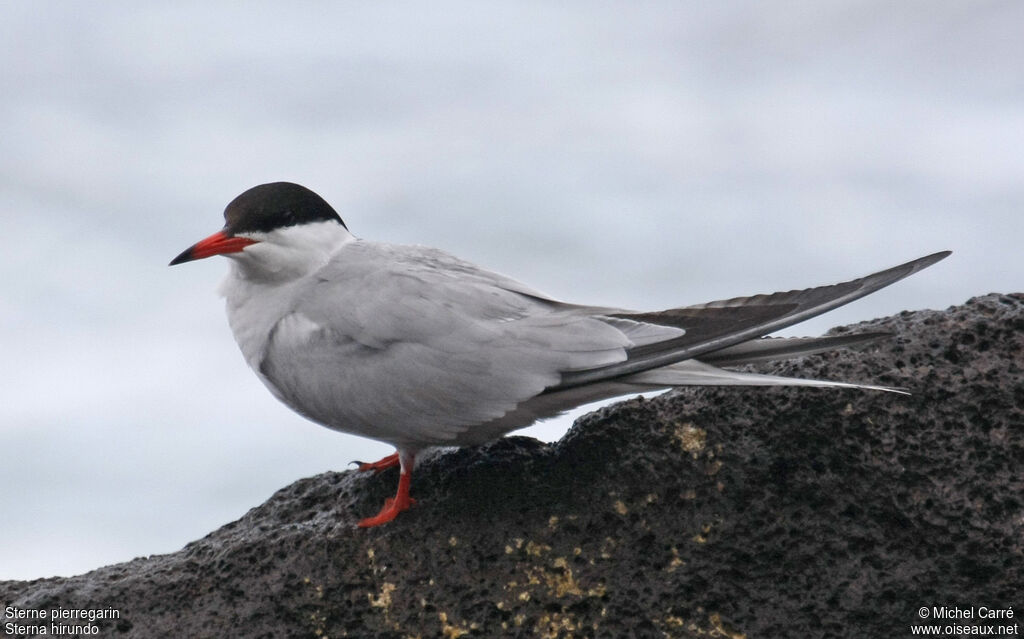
[701,513]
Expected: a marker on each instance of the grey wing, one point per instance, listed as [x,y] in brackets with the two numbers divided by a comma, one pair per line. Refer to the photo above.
[768,349]
[716,326]
[414,347]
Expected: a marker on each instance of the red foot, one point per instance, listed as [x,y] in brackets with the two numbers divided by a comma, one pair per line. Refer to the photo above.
[387,513]
[393,505]
[390,461]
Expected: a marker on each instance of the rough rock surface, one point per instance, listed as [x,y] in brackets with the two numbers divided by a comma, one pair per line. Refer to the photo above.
[701,513]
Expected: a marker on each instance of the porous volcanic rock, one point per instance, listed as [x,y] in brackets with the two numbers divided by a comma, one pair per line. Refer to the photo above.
[702,513]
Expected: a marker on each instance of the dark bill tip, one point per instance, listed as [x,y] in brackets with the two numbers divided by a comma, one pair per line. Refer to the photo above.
[220,243]
[186,256]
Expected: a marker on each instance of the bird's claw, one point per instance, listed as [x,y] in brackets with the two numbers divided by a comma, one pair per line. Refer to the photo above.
[390,461]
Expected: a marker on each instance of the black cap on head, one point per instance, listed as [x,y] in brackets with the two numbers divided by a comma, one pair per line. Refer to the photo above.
[267,207]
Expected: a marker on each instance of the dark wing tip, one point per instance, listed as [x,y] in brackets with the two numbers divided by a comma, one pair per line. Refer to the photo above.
[928,260]
[717,325]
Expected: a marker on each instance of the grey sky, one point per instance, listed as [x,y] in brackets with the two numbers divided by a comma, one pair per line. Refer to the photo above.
[601,152]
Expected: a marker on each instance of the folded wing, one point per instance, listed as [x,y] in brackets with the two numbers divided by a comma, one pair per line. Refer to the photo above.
[415,347]
[718,325]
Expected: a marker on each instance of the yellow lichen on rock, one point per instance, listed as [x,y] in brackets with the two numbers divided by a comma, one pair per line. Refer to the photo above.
[534,549]
[690,438]
[452,631]
[676,562]
[719,629]
[384,599]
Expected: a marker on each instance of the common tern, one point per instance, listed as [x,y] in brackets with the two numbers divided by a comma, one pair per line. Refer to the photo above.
[417,348]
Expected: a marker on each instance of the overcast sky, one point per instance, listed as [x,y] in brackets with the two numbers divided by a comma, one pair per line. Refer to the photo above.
[634,155]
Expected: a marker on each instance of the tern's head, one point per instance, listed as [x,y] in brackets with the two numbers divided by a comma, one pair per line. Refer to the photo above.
[274,229]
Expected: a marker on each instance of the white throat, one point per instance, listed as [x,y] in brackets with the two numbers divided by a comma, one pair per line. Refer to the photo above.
[265,277]
[290,253]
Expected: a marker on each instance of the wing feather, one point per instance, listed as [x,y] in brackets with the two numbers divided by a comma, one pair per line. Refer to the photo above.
[416,346]
[716,325]
[768,349]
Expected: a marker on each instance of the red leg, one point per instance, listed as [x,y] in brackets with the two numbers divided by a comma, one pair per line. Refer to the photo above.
[401,501]
[381,464]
